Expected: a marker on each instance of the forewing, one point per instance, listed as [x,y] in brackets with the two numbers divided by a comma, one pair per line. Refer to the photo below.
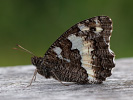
[85,45]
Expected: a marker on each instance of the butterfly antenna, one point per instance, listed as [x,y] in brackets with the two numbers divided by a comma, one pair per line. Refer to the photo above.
[23,49]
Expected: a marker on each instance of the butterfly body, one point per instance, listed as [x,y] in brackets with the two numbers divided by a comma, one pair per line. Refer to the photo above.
[82,54]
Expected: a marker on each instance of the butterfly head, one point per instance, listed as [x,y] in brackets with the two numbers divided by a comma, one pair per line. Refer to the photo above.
[37,61]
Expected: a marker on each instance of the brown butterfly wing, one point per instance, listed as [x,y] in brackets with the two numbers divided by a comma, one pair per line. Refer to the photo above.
[82,54]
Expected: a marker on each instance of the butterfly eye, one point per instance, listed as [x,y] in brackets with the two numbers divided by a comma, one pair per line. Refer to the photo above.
[92,29]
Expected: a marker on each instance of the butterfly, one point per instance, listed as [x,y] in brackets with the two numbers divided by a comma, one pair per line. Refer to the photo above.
[82,54]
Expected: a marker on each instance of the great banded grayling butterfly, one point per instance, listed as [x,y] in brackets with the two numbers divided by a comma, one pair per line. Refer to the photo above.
[81,55]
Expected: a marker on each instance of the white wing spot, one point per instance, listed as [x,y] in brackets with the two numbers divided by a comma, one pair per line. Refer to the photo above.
[58,51]
[87,21]
[76,42]
[82,27]
[110,19]
[85,49]
[98,30]
[96,21]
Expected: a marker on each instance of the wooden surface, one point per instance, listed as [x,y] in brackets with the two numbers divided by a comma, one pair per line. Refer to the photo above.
[13,82]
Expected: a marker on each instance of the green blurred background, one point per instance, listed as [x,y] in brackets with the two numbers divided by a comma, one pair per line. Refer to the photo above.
[36,24]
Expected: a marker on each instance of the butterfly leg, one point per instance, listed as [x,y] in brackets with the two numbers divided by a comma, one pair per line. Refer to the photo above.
[59,79]
[33,78]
